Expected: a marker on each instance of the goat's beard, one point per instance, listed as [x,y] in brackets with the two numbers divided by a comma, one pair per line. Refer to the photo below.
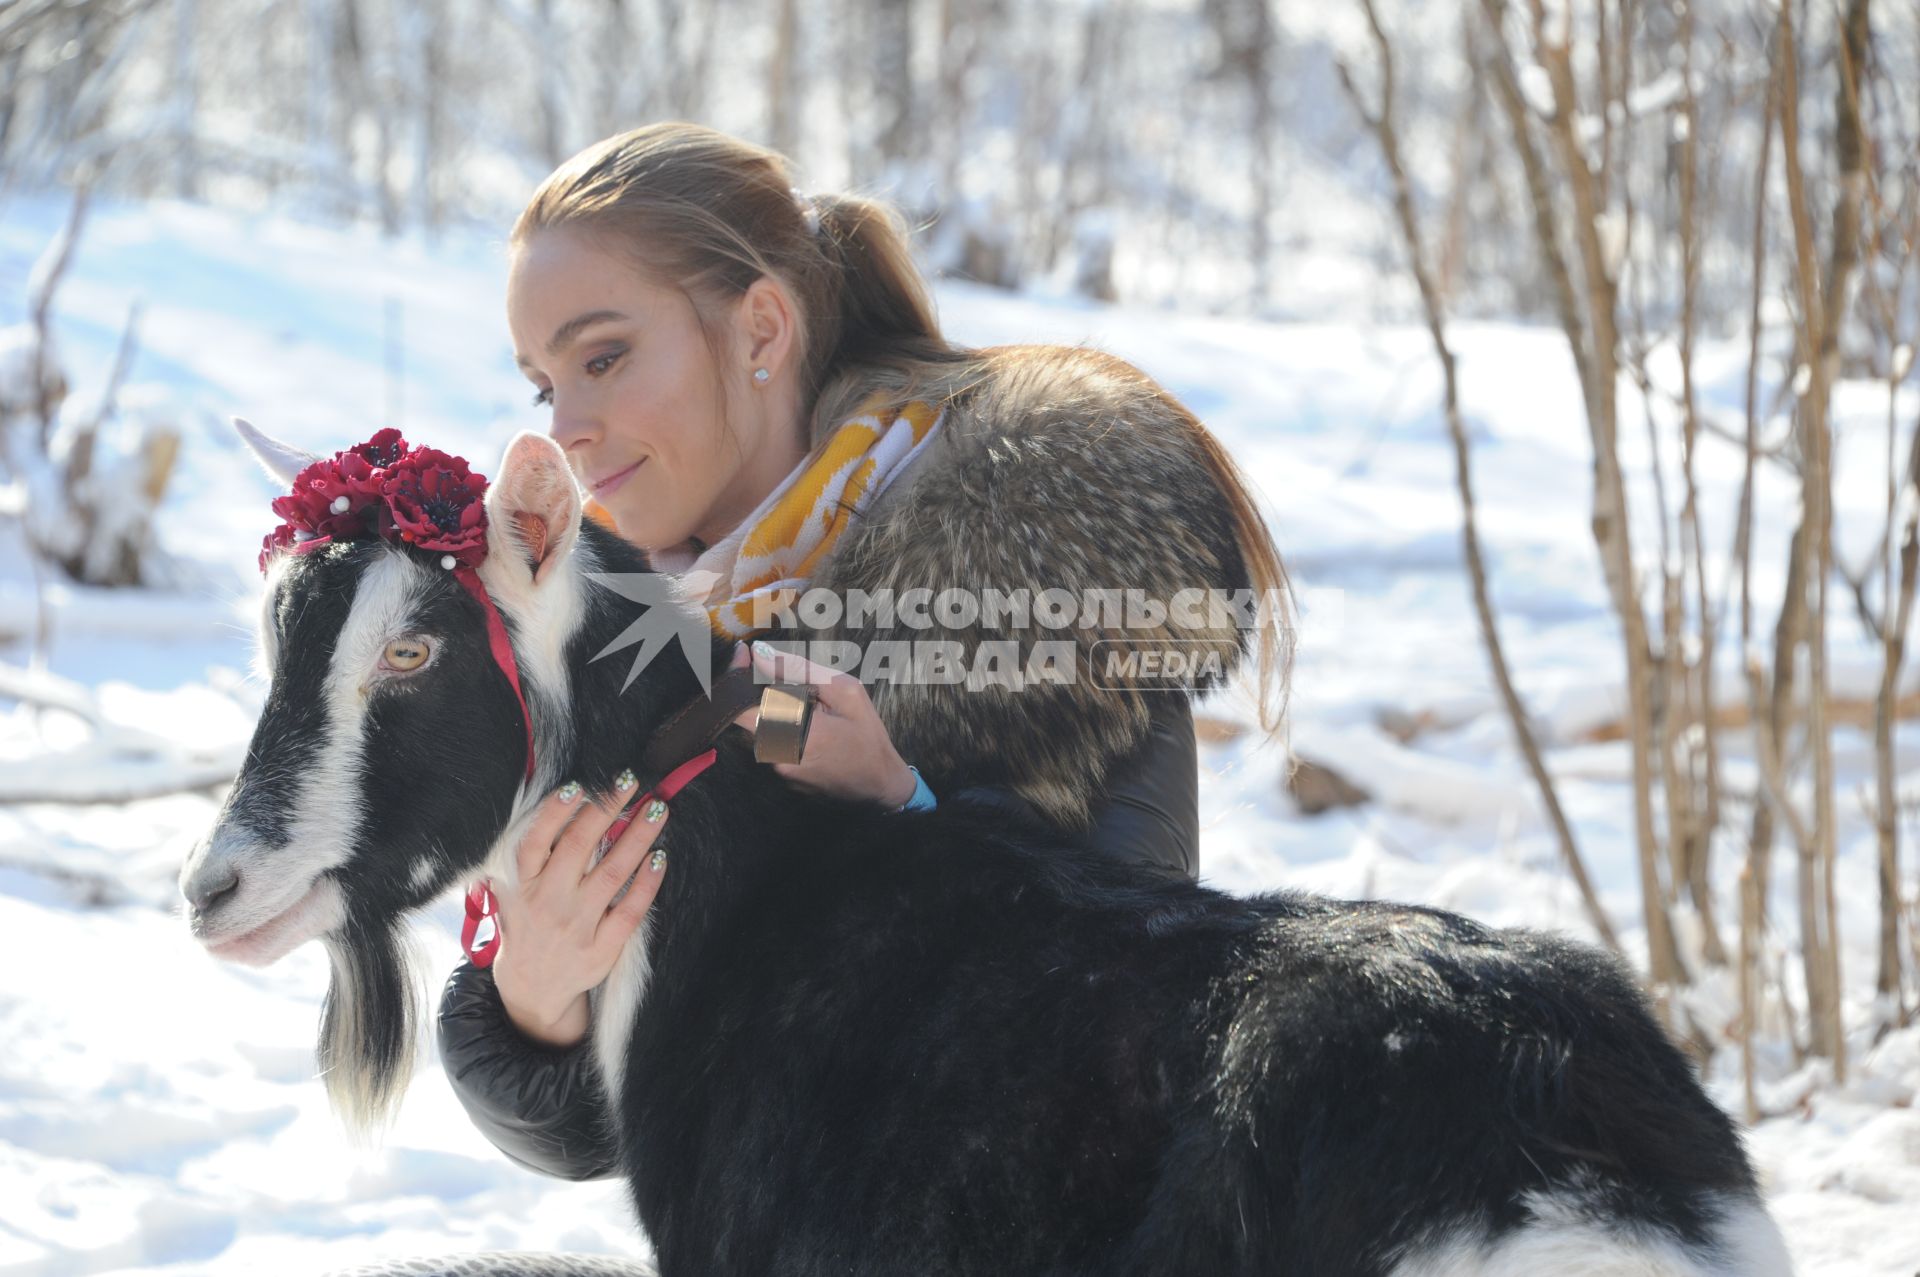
[368,1023]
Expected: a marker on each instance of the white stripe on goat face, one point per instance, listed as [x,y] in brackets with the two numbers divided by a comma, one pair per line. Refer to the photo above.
[328,817]
[325,822]
[280,868]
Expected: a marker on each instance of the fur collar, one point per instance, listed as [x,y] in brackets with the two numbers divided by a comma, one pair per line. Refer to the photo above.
[1065,469]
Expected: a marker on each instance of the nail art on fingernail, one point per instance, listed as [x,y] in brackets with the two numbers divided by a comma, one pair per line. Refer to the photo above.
[763,650]
[625,780]
[656,811]
[658,860]
[569,791]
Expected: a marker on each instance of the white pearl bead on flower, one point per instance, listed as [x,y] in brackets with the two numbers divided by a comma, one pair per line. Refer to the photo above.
[340,504]
[447,561]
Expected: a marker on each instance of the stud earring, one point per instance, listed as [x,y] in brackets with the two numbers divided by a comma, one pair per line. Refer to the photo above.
[760,375]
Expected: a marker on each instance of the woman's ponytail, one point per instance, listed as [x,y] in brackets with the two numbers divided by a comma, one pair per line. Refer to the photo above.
[881,328]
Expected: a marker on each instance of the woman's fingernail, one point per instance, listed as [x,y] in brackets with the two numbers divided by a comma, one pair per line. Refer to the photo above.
[656,811]
[658,860]
[569,791]
[625,781]
[762,650]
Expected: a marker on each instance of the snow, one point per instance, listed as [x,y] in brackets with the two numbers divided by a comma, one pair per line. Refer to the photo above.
[158,1111]
[1536,86]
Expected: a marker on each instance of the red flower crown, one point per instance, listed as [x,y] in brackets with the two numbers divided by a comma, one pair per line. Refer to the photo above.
[384,488]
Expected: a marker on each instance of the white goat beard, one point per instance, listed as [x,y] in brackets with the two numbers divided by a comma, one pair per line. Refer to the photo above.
[369,1024]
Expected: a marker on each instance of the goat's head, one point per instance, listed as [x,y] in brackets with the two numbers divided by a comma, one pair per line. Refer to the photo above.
[389,756]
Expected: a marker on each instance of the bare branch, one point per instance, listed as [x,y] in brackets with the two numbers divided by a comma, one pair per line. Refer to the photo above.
[1385,132]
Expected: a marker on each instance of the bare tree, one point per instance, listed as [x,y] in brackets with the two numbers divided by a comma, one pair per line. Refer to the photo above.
[185,101]
[1381,121]
[896,96]
[1822,298]
[1248,42]
[1589,314]
[786,95]
[617,63]
[1893,235]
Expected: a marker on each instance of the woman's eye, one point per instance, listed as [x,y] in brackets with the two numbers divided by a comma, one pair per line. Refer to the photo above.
[595,367]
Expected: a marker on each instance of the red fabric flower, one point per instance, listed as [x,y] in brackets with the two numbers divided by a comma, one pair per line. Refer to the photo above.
[276,540]
[437,503]
[286,536]
[385,488]
[333,497]
[381,451]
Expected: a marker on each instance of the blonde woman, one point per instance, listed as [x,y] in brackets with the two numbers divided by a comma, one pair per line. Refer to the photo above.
[751,385]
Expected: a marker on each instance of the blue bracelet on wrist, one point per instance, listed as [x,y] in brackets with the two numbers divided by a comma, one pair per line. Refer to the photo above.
[922,799]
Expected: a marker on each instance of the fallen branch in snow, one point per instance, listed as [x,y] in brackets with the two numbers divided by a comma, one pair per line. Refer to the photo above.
[89,496]
[48,691]
[1316,788]
[1849,711]
[208,778]
[118,764]
[93,889]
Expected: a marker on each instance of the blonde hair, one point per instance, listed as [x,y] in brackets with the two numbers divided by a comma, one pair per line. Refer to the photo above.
[709,214]
[716,213]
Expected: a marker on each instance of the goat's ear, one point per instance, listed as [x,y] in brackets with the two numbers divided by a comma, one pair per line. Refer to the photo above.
[533,507]
[281,461]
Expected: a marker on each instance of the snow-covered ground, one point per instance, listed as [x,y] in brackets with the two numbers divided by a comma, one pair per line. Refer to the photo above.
[158,1111]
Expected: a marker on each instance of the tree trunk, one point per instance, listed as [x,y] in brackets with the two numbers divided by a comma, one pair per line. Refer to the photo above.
[785,95]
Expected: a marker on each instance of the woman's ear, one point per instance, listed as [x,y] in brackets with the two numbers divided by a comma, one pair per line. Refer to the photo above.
[533,510]
[767,328]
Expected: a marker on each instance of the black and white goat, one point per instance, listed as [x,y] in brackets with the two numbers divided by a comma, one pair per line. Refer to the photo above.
[847,1041]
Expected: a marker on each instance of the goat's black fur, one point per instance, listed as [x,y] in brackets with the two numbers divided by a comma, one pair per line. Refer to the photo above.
[932,1043]
[938,1043]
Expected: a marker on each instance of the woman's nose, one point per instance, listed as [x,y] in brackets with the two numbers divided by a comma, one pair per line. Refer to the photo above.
[570,428]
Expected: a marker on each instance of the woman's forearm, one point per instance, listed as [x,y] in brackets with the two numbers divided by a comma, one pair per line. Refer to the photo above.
[540,1105]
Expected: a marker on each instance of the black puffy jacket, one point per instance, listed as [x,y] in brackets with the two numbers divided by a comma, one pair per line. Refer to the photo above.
[543,1106]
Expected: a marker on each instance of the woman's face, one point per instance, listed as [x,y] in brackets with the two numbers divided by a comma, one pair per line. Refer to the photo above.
[635,393]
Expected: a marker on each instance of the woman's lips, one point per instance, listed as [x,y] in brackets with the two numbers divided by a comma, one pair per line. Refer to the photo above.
[605,487]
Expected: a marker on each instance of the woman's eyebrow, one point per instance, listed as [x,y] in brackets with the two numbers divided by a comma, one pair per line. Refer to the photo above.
[566,332]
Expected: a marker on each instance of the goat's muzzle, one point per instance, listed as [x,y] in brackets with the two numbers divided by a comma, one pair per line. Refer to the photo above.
[251,907]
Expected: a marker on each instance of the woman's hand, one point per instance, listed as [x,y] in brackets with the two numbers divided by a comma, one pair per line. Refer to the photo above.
[848,752]
[561,929]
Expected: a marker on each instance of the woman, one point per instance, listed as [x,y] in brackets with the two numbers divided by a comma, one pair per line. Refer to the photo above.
[752,385]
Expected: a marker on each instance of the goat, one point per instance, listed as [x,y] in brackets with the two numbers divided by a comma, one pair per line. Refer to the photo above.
[938,1042]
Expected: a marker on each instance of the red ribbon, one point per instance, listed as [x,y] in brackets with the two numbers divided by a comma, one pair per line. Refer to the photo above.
[502,647]
[482,907]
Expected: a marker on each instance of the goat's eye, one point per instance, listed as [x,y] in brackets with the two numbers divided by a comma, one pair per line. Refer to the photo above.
[406,655]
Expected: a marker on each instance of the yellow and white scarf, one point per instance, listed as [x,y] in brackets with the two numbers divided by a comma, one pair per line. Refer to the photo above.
[766,562]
